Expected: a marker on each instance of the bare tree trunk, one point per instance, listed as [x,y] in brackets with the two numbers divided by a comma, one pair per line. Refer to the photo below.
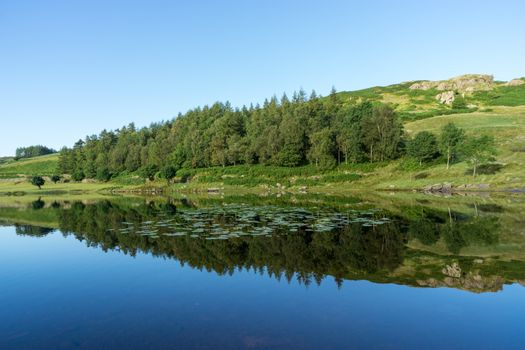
[448,157]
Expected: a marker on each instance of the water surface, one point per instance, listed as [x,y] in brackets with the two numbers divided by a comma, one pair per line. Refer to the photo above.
[261,274]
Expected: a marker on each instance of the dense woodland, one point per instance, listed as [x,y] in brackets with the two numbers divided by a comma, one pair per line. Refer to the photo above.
[303,130]
[314,130]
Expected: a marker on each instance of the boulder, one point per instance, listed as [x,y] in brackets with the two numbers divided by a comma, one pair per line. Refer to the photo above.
[515,82]
[452,270]
[427,188]
[447,187]
[436,187]
[446,97]
[422,85]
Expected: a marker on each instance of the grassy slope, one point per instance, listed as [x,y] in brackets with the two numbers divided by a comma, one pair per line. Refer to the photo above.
[13,178]
[506,124]
[44,165]
[500,113]
[419,104]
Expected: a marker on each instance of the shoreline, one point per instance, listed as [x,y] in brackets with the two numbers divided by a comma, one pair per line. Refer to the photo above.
[76,189]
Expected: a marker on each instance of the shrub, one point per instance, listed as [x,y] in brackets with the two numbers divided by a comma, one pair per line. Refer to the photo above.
[55,178]
[78,175]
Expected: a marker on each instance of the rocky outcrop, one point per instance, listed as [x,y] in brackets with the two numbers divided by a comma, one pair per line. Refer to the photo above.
[422,85]
[447,187]
[452,270]
[471,281]
[446,97]
[515,82]
[464,83]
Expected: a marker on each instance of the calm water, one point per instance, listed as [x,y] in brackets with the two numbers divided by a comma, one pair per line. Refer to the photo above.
[254,274]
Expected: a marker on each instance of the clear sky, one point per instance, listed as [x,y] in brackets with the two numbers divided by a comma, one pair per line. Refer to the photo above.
[72,68]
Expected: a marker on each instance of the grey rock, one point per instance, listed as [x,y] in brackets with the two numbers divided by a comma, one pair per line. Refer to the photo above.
[446,97]
[515,82]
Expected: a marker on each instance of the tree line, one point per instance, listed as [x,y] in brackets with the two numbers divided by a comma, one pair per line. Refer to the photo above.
[286,132]
[33,151]
[322,131]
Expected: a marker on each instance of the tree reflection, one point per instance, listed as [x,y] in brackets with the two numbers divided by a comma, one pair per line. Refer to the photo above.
[304,250]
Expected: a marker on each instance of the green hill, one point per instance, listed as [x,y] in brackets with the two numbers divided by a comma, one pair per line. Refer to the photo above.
[476,103]
[43,165]
[418,99]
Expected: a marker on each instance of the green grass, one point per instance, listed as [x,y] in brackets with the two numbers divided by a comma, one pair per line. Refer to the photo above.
[4,160]
[503,96]
[505,124]
[22,186]
[421,104]
[44,165]
[257,175]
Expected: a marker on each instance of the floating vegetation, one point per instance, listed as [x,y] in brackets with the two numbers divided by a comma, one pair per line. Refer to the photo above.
[235,221]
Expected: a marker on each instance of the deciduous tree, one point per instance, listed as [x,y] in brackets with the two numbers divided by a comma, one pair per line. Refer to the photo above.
[38,181]
[450,140]
[423,147]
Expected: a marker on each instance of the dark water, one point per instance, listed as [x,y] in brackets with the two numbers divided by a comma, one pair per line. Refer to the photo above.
[138,274]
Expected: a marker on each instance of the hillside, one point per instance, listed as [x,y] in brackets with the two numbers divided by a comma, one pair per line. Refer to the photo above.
[43,165]
[422,99]
[475,103]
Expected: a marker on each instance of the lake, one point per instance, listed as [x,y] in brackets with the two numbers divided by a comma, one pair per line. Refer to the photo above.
[249,272]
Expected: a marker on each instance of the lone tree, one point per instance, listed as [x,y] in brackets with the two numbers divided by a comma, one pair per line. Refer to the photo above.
[423,147]
[450,141]
[55,178]
[479,150]
[38,181]
[168,172]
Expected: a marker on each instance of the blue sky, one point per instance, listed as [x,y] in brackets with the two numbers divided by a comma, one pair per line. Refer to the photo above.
[72,68]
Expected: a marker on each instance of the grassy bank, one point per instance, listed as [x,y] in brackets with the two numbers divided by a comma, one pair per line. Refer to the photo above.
[505,124]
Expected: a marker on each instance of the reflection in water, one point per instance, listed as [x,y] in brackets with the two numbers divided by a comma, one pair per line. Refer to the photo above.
[35,231]
[422,247]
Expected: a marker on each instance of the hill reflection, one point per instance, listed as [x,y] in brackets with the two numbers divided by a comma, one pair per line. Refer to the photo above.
[288,242]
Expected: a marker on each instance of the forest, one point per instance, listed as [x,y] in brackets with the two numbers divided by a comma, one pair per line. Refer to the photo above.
[321,131]
[314,130]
